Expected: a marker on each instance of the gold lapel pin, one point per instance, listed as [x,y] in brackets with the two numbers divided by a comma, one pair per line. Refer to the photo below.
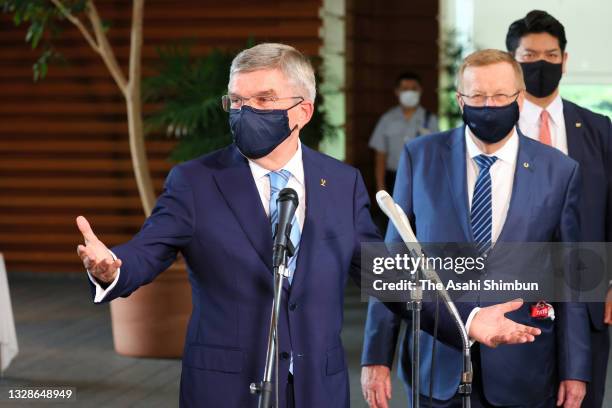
[578,124]
[526,165]
[323,182]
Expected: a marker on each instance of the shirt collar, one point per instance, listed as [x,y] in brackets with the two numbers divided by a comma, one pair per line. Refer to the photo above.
[295,166]
[506,154]
[532,112]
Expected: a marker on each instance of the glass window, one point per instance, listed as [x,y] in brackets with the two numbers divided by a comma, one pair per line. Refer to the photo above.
[597,98]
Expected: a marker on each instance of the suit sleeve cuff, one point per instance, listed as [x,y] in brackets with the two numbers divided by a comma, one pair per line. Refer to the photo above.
[468,323]
[100,291]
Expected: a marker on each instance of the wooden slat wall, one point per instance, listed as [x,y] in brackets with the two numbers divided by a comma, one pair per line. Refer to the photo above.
[63,141]
[385,38]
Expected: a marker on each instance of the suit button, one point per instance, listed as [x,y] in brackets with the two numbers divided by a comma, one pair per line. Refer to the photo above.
[284,355]
[292,306]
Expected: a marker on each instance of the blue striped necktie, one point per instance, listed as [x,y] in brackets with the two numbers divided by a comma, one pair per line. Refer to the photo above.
[482,214]
[278,181]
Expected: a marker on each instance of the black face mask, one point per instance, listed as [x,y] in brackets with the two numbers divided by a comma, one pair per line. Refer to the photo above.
[541,77]
[491,123]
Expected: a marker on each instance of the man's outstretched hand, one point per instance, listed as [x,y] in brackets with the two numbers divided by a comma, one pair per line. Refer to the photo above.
[491,327]
[96,257]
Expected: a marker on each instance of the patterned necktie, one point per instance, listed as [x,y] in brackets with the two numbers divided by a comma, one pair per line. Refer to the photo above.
[278,181]
[545,128]
[482,214]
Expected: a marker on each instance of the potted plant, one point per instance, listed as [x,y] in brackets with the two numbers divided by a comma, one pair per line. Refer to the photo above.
[152,321]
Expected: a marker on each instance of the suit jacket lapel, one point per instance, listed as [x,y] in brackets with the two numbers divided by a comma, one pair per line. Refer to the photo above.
[522,186]
[235,181]
[316,211]
[455,161]
[573,130]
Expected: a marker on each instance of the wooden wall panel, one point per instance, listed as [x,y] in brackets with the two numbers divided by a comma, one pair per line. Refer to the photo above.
[385,38]
[63,141]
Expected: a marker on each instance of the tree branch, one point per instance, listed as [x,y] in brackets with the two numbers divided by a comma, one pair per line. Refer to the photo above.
[136,46]
[105,49]
[131,88]
[134,104]
[74,20]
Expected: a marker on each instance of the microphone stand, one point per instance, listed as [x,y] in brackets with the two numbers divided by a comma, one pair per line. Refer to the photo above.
[401,223]
[467,374]
[264,388]
[415,305]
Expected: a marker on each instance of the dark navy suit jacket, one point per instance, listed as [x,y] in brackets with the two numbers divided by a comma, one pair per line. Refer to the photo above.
[589,142]
[431,187]
[211,211]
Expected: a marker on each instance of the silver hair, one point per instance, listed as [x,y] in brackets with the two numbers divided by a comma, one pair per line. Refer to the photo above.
[296,67]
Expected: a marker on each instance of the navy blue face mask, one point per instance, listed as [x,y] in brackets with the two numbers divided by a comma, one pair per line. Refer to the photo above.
[258,132]
[491,123]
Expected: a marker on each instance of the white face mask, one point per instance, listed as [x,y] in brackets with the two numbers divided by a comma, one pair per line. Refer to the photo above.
[409,99]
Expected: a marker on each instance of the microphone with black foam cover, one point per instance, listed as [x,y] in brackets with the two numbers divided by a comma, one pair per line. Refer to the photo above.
[286,204]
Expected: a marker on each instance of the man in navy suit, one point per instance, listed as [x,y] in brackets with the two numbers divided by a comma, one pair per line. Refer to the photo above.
[219,212]
[482,183]
[538,43]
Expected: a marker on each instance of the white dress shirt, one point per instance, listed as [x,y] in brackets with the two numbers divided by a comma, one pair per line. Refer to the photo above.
[529,122]
[260,175]
[502,180]
[296,167]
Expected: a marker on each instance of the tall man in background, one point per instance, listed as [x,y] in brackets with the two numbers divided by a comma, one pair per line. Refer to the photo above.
[399,125]
[538,43]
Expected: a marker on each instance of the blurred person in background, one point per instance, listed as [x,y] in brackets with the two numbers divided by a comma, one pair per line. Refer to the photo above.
[398,126]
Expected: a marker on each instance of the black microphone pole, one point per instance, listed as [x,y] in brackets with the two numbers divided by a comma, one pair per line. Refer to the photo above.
[400,221]
[283,249]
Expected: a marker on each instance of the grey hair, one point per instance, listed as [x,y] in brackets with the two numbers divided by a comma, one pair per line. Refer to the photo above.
[292,63]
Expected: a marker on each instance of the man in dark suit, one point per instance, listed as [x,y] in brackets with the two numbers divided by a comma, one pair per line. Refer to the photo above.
[219,212]
[538,43]
[485,183]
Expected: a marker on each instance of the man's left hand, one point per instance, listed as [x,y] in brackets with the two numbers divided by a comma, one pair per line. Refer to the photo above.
[571,393]
[491,327]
